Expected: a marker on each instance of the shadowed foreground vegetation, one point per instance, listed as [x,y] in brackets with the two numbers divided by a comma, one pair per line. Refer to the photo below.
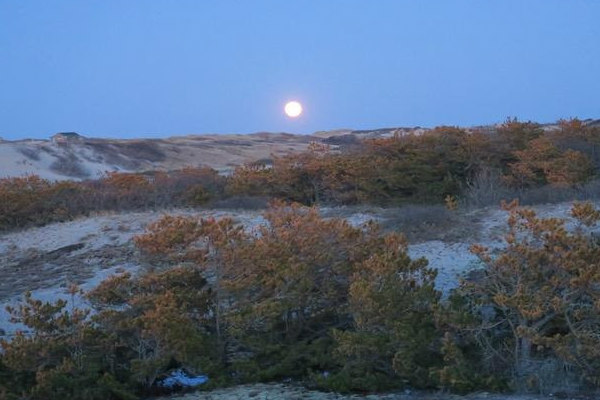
[318,301]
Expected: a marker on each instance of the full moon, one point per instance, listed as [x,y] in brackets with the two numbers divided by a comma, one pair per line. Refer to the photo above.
[293,109]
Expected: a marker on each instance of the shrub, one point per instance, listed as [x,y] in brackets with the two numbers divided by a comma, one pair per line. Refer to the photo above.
[538,299]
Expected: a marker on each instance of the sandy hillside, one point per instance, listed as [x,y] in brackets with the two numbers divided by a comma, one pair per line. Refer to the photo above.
[46,260]
[84,252]
[77,157]
[73,156]
[83,158]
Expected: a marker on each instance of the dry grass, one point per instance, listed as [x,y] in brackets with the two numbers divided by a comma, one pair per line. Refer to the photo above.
[34,269]
[142,150]
[69,165]
[418,223]
[426,222]
[30,152]
[488,189]
[241,203]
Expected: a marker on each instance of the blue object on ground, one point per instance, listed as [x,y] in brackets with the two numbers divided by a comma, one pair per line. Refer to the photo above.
[180,378]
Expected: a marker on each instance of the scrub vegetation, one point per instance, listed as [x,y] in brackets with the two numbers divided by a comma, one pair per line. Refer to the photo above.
[317,300]
[324,303]
[444,165]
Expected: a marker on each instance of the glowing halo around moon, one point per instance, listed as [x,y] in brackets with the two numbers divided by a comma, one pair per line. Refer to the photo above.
[293,109]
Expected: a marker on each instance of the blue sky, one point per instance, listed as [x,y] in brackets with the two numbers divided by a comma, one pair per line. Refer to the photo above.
[153,68]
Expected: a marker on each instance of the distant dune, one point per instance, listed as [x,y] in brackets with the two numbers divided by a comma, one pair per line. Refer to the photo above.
[77,157]
[69,155]
[73,156]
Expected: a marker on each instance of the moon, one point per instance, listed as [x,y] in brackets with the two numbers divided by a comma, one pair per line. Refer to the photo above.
[293,109]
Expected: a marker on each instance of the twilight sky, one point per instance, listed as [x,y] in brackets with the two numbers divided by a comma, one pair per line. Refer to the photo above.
[153,68]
